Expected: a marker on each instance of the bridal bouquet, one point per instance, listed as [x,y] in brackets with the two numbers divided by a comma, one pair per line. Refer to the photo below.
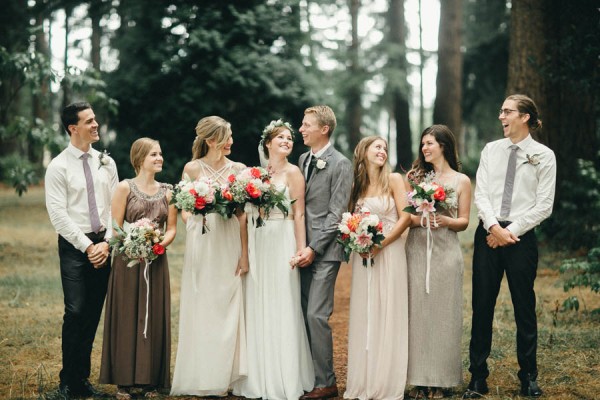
[253,185]
[359,232]
[427,195]
[138,241]
[203,196]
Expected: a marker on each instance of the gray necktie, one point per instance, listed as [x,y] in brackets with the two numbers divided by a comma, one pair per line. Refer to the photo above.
[89,182]
[509,182]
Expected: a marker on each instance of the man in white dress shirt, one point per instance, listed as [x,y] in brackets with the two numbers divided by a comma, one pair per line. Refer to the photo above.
[511,202]
[79,185]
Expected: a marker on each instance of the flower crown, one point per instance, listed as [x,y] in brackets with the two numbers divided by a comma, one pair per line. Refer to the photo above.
[272,125]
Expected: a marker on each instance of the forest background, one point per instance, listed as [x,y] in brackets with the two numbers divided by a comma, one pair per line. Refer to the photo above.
[155,68]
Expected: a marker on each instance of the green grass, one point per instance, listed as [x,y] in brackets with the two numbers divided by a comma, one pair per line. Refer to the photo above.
[31,307]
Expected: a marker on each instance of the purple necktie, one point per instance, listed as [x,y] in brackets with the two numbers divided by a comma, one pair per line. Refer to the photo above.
[509,182]
[89,183]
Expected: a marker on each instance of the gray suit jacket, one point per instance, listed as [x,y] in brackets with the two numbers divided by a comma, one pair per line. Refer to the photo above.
[327,195]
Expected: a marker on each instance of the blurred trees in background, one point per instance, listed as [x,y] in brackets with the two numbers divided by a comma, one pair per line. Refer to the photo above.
[155,68]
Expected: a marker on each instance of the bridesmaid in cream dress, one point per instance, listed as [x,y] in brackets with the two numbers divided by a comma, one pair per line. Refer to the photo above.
[378,326]
[435,318]
[211,353]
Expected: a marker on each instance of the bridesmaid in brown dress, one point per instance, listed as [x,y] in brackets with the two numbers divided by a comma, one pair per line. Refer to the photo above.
[137,332]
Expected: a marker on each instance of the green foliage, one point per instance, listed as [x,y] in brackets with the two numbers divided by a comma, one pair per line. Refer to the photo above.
[18,172]
[179,63]
[581,273]
[571,225]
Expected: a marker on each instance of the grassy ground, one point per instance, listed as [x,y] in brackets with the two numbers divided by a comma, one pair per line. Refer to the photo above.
[31,315]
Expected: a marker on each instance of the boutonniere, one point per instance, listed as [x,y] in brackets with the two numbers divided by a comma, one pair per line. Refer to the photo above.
[103,159]
[533,159]
[321,163]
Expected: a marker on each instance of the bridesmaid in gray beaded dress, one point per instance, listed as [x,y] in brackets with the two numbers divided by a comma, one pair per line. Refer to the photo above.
[136,351]
[435,317]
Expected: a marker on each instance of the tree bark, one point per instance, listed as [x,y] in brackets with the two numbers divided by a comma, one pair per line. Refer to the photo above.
[354,109]
[447,108]
[400,90]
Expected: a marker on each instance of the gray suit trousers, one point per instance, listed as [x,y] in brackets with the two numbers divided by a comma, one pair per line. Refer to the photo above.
[317,285]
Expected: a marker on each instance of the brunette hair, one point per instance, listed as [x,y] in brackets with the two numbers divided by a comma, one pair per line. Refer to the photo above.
[139,150]
[325,117]
[209,128]
[272,134]
[525,105]
[444,136]
[361,177]
[70,114]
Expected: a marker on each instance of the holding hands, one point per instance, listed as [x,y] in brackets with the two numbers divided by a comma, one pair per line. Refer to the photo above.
[500,237]
[303,258]
[98,254]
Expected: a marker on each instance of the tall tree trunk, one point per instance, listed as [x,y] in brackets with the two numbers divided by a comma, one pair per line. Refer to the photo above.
[545,34]
[41,100]
[354,109]
[447,109]
[95,12]
[421,68]
[400,90]
[65,84]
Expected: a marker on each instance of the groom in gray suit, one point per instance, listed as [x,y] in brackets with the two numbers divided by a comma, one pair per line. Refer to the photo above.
[328,184]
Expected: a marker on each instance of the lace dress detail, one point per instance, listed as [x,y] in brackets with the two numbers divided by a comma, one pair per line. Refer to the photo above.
[280,365]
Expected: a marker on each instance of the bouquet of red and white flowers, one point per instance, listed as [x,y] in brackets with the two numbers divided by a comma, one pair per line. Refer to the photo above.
[138,241]
[360,232]
[203,196]
[427,194]
[253,185]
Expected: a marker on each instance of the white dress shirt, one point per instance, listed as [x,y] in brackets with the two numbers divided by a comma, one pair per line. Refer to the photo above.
[317,155]
[66,194]
[535,181]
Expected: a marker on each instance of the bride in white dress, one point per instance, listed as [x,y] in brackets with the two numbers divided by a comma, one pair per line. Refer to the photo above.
[211,352]
[279,361]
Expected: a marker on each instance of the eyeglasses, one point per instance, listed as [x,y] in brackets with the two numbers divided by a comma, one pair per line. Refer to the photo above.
[506,111]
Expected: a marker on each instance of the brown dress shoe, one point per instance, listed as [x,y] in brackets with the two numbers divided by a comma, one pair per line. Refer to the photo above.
[321,393]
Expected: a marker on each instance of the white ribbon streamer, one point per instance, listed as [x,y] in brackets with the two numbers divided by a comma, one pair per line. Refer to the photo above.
[425,216]
[369,275]
[252,213]
[147,279]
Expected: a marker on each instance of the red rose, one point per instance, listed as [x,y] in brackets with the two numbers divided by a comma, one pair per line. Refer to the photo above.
[345,236]
[255,172]
[231,178]
[439,194]
[193,192]
[253,191]
[380,226]
[158,249]
[227,195]
[200,203]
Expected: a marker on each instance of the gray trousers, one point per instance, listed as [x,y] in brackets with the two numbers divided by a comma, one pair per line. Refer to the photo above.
[317,285]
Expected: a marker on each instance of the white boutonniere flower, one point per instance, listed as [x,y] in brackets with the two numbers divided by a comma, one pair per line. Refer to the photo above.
[103,159]
[321,164]
[533,159]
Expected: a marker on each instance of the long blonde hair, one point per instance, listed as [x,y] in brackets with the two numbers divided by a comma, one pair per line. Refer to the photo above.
[209,128]
[361,176]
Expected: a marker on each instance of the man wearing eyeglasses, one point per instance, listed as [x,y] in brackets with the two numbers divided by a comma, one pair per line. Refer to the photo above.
[516,179]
